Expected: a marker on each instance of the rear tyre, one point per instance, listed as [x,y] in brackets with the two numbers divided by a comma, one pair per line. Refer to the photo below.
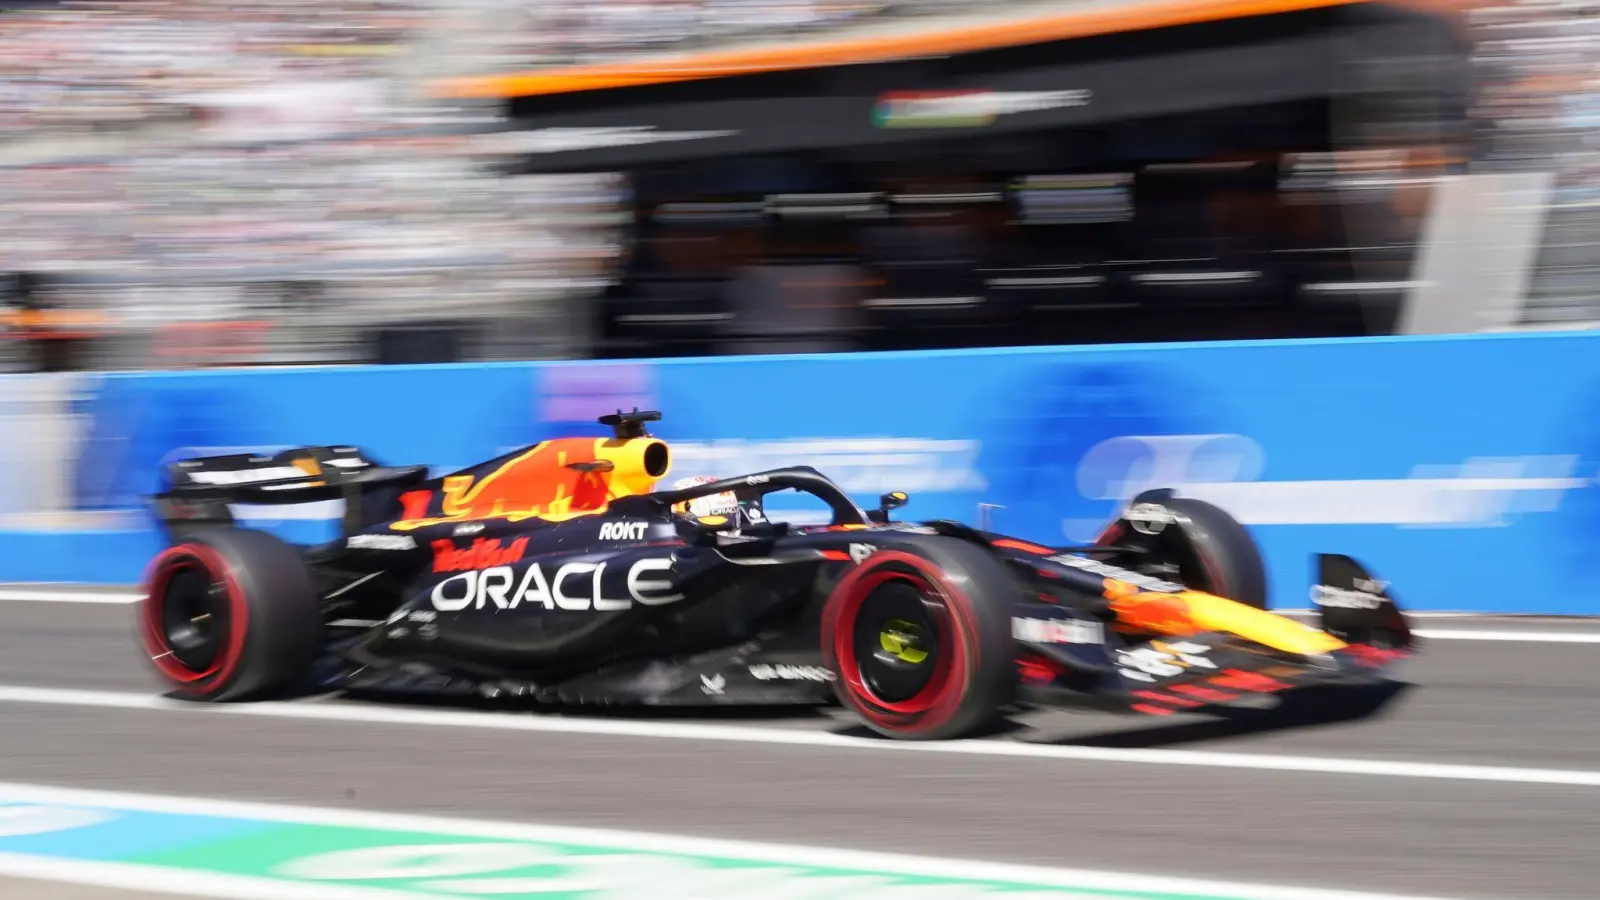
[230,615]
[919,635]
[1202,547]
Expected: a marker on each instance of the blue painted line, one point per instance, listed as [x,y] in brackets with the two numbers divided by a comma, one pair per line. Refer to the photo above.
[123,835]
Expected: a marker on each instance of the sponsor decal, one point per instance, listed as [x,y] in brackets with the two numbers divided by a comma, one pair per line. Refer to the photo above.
[1150,518]
[499,587]
[1124,576]
[623,531]
[859,552]
[347,463]
[911,528]
[246,476]
[483,554]
[1057,631]
[1163,660]
[967,109]
[790,673]
[381,542]
[713,684]
[1344,598]
[469,528]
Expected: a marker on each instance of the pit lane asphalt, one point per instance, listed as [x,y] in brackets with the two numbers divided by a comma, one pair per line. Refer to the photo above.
[1525,704]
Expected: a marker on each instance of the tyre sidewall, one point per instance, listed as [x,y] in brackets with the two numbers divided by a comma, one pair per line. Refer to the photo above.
[1227,553]
[274,628]
[971,595]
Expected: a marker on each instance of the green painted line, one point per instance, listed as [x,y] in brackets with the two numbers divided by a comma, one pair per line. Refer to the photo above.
[433,863]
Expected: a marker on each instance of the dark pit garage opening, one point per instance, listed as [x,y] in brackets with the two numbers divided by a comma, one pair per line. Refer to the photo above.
[1035,198]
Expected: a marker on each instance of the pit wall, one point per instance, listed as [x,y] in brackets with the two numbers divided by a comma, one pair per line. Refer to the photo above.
[1461,469]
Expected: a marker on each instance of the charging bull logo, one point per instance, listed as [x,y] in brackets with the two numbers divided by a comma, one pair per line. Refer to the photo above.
[553,479]
[554,476]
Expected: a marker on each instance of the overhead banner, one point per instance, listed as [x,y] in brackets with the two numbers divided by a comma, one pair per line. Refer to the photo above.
[1034,88]
[1462,469]
[1026,99]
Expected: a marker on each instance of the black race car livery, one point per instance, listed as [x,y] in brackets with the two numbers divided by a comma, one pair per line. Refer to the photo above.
[563,573]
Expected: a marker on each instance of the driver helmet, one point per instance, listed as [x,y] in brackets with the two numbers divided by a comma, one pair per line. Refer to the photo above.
[724,503]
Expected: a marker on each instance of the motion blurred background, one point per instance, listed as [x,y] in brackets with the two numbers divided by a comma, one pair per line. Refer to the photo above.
[207,183]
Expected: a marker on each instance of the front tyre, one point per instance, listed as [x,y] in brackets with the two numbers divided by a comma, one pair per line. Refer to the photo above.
[1195,543]
[919,635]
[229,615]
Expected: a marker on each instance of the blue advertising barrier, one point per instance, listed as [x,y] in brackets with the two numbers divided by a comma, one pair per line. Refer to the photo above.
[1462,469]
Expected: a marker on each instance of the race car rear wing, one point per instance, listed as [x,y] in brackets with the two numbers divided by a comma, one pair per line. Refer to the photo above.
[200,491]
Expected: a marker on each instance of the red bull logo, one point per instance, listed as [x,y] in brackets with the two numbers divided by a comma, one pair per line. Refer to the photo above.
[485,553]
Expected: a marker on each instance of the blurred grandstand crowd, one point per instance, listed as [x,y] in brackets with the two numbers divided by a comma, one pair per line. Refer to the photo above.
[90,65]
[162,158]
[217,146]
[550,32]
[1539,105]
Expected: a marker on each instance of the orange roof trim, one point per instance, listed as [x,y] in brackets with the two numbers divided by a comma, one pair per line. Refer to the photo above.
[854,51]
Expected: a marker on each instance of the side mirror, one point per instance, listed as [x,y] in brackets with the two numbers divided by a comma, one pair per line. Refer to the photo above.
[887,503]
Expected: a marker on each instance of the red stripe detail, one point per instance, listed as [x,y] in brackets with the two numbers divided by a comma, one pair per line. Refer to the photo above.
[1149,710]
[1024,546]
[1203,693]
[1110,535]
[1248,681]
[1167,698]
[1037,670]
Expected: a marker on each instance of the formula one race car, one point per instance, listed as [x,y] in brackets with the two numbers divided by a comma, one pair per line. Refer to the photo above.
[561,574]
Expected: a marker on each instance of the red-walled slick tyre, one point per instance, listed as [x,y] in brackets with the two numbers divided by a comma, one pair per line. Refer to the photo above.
[229,615]
[919,635]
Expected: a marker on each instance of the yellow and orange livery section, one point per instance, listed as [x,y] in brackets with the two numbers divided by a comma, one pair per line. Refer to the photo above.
[555,480]
[1191,612]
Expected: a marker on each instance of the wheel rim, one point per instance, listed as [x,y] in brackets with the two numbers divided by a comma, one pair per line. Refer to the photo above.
[897,647]
[896,642]
[194,612]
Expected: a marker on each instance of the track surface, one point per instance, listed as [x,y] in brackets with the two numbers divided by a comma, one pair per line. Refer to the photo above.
[1524,704]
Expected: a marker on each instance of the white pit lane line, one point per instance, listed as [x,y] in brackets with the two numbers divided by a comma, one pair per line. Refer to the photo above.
[346,713]
[49,594]
[1023,882]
